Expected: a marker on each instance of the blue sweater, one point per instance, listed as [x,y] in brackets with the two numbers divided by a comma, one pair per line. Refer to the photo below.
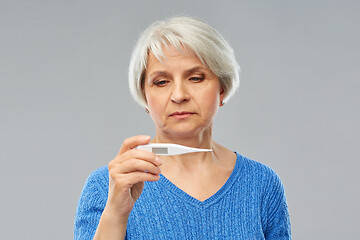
[250,205]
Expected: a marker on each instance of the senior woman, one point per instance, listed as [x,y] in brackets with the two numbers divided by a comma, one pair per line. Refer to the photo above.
[181,71]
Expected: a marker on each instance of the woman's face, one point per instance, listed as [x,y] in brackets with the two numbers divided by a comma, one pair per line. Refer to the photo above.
[183,96]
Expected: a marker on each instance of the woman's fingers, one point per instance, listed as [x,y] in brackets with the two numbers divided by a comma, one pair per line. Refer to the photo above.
[125,177]
[128,180]
[141,155]
[135,165]
[136,160]
[133,142]
[137,177]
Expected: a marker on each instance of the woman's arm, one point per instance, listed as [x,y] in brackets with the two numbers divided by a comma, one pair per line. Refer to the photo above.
[91,204]
[276,211]
[111,226]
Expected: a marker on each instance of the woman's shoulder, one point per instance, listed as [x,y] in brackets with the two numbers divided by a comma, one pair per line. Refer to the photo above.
[100,173]
[98,179]
[259,170]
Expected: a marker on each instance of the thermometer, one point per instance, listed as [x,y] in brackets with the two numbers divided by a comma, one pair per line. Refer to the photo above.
[170,149]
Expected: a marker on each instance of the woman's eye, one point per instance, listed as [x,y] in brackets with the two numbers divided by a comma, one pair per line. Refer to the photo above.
[197,79]
[160,82]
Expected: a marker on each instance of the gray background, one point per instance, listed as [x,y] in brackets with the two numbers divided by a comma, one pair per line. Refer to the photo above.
[66,108]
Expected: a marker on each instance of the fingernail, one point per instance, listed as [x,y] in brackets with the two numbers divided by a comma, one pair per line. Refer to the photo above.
[159,160]
[145,137]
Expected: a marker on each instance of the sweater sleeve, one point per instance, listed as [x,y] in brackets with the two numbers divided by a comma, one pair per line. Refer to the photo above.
[90,207]
[275,211]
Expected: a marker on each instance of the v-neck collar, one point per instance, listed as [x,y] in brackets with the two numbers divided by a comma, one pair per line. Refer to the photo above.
[168,185]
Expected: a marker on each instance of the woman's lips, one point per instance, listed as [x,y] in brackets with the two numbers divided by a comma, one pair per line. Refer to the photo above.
[181,115]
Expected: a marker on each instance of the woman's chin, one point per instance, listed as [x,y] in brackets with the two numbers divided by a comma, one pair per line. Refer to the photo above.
[182,135]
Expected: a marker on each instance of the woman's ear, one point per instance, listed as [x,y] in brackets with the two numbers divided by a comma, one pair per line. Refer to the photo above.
[222,95]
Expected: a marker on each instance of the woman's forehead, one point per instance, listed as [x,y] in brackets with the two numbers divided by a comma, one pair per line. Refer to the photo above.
[171,55]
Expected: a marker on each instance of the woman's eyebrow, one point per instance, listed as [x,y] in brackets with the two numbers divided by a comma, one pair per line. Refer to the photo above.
[194,69]
[157,73]
[186,73]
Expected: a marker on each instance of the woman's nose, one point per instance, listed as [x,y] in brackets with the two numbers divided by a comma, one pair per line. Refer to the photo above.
[180,93]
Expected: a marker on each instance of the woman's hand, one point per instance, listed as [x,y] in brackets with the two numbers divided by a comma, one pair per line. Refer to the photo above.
[127,173]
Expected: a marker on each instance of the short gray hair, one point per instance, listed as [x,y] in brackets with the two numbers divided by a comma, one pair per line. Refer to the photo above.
[206,43]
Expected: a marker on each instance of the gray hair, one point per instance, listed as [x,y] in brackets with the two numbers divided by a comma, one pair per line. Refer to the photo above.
[206,43]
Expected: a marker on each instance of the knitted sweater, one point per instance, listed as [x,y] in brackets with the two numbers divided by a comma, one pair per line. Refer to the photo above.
[250,205]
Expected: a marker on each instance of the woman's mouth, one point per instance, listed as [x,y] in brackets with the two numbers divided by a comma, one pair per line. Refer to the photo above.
[181,115]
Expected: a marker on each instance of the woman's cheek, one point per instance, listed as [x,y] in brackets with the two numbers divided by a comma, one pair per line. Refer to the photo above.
[156,106]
